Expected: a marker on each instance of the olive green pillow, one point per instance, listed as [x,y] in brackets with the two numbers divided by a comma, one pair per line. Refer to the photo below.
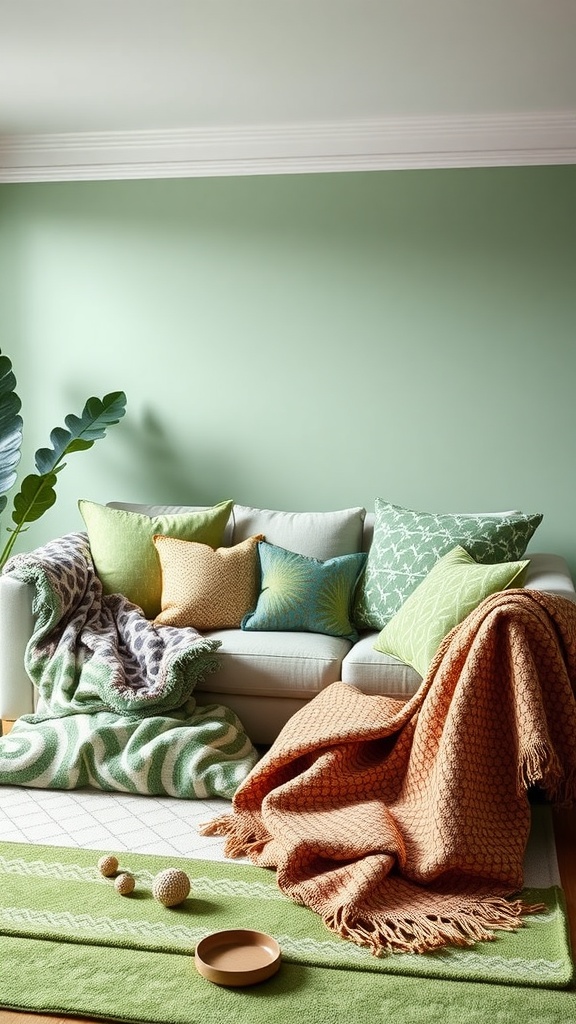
[123,551]
[451,590]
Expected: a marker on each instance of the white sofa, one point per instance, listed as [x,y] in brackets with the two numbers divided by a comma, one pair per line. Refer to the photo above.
[265,676]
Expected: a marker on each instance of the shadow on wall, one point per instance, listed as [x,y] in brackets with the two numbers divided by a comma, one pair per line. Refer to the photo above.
[164,469]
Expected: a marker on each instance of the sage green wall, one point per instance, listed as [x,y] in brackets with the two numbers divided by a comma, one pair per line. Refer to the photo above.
[305,341]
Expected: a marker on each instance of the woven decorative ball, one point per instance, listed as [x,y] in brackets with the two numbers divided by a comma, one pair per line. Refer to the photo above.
[108,865]
[171,887]
[125,883]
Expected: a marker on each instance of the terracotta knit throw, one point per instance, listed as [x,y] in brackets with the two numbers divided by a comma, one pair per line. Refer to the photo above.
[404,825]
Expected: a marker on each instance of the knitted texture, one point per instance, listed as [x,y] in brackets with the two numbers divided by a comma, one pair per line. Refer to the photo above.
[204,588]
[404,825]
[108,865]
[171,887]
[115,707]
[125,883]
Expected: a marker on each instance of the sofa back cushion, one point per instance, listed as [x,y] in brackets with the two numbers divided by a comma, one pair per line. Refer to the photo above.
[170,510]
[320,535]
[368,531]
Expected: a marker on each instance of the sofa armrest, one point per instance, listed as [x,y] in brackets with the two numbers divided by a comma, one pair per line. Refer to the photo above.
[16,625]
[551,574]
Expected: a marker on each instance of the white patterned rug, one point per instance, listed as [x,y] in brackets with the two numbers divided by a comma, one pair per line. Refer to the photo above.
[94,820]
[91,819]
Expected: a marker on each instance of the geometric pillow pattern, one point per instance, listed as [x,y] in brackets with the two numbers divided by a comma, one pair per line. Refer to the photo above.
[407,544]
[303,594]
[207,588]
[455,585]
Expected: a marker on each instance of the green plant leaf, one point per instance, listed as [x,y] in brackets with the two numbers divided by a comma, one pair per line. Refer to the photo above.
[35,497]
[37,491]
[10,427]
[82,431]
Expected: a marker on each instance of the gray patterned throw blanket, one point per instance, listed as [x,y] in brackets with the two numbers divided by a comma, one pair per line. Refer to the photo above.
[115,708]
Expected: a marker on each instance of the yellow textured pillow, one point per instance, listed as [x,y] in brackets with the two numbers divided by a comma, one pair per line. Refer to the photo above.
[207,588]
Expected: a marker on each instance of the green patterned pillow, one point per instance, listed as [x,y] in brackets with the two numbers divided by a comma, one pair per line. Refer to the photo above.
[407,544]
[123,551]
[303,594]
[451,590]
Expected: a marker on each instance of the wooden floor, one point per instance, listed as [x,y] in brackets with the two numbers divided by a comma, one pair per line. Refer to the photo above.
[565,828]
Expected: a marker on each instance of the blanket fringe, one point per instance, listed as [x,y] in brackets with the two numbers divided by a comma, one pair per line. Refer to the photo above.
[244,838]
[540,765]
[423,933]
[458,921]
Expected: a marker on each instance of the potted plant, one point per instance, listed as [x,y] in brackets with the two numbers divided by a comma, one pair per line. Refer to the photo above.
[37,491]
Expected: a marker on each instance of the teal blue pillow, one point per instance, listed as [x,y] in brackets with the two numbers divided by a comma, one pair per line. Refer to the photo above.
[302,594]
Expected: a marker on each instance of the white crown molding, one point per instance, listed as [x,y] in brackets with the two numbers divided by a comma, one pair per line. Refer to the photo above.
[364,145]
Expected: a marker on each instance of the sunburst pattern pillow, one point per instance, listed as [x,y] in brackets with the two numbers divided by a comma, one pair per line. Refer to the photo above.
[303,594]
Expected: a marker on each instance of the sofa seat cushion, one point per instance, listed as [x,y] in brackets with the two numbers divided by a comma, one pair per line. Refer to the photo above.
[374,672]
[275,664]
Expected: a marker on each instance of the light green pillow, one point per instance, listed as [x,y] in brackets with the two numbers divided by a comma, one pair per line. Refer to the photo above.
[407,544]
[304,594]
[452,589]
[123,550]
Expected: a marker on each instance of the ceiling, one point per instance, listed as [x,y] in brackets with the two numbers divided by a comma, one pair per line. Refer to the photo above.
[118,88]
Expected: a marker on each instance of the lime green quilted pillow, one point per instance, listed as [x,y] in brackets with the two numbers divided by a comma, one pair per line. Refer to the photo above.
[304,594]
[451,590]
[407,544]
[123,551]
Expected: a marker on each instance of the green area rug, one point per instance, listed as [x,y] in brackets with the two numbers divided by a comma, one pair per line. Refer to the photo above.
[69,943]
[55,893]
[139,986]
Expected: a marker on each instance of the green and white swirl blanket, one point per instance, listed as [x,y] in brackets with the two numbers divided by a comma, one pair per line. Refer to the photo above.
[114,693]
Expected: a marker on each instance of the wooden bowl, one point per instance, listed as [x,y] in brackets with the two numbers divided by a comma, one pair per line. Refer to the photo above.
[237,956]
